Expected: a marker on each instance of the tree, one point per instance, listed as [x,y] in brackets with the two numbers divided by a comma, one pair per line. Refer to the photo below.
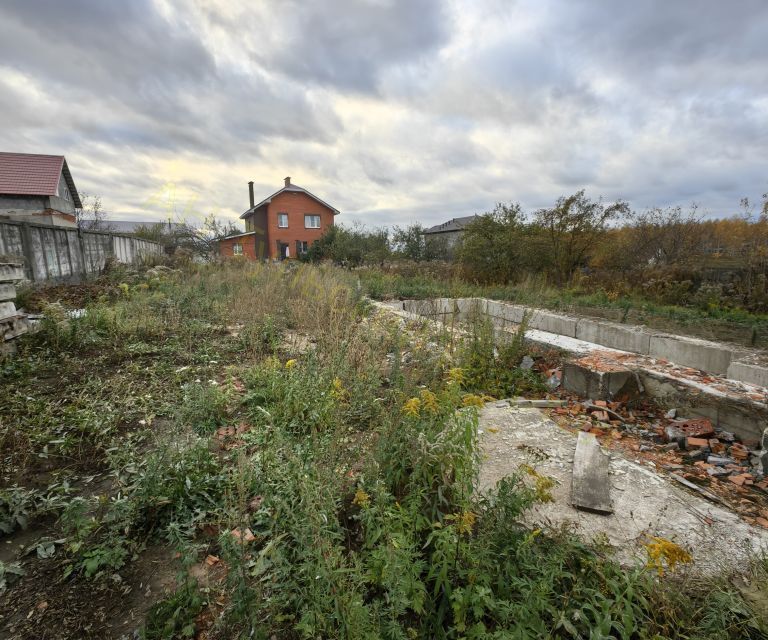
[351,246]
[91,215]
[492,247]
[573,227]
[411,243]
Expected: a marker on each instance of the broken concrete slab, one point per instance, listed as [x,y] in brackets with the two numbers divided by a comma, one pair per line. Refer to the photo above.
[691,352]
[618,385]
[590,487]
[614,336]
[11,271]
[7,291]
[644,502]
[7,310]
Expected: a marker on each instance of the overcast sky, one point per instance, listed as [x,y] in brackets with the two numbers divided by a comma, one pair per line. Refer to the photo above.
[394,111]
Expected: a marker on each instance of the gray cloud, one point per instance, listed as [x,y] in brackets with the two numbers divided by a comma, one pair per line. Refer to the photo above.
[394,110]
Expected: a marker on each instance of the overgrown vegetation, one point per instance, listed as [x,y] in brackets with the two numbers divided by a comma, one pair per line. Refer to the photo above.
[311,463]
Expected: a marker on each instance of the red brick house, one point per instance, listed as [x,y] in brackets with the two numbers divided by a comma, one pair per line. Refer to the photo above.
[284,225]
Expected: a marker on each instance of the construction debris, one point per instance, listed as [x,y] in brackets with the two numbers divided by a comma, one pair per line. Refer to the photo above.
[12,322]
[590,489]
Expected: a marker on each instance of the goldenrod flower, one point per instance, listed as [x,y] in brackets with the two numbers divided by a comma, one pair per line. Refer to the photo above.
[411,407]
[290,364]
[472,400]
[338,392]
[455,376]
[662,551]
[428,401]
[464,520]
[361,499]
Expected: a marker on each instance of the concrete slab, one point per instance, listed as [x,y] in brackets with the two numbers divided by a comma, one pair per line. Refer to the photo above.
[7,310]
[615,336]
[746,372]
[690,352]
[621,384]
[7,291]
[11,272]
[553,323]
[644,502]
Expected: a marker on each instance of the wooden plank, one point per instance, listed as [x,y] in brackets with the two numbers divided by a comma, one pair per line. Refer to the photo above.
[590,489]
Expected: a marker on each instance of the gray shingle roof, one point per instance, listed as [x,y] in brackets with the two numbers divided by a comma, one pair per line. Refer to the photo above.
[455,224]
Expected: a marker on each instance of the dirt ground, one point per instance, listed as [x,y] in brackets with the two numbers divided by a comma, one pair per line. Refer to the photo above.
[645,502]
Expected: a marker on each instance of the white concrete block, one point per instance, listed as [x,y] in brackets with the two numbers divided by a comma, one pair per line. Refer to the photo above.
[10,272]
[690,352]
[614,336]
[553,323]
[747,372]
[7,310]
[7,291]
[507,312]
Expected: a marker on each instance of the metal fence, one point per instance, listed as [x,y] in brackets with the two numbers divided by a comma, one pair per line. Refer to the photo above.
[62,253]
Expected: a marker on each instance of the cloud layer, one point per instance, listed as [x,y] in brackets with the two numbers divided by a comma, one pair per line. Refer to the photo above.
[393,110]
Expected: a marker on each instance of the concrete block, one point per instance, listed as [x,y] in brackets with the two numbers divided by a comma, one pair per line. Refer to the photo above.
[553,323]
[690,352]
[468,306]
[11,272]
[7,310]
[614,336]
[620,385]
[506,312]
[750,373]
[7,291]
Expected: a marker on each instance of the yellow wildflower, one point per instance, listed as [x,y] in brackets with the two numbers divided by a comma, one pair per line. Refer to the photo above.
[428,401]
[411,407]
[542,485]
[361,499]
[472,400]
[464,520]
[123,286]
[455,376]
[338,392]
[290,364]
[662,551]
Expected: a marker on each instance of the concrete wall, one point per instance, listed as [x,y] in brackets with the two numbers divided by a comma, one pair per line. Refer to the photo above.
[50,252]
[711,357]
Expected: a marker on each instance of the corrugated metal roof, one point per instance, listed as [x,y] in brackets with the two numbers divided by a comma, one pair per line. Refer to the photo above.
[455,224]
[34,174]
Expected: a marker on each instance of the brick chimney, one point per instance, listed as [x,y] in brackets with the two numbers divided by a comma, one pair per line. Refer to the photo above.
[250,193]
[288,181]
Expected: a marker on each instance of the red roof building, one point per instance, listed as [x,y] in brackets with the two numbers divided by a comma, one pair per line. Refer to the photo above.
[38,188]
[283,225]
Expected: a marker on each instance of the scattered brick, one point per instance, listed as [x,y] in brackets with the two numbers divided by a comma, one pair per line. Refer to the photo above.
[693,443]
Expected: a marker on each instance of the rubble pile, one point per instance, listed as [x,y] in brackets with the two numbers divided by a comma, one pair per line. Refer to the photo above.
[714,462]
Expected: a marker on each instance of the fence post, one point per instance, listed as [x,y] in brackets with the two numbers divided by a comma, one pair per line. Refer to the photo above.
[26,247]
[81,243]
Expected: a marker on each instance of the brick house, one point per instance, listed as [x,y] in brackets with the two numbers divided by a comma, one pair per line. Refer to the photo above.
[37,188]
[284,225]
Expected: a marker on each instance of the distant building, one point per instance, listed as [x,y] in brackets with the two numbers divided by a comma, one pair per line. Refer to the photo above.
[449,232]
[283,225]
[37,188]
[129,227]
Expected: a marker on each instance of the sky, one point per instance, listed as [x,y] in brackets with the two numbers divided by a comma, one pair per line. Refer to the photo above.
[394,111]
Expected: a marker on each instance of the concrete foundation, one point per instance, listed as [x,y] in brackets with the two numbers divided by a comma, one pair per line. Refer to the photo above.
[553,323]
[689,352]
[614,336]
[621,385]
[750,373]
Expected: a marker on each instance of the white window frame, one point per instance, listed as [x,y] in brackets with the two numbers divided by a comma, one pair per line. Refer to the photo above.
[280,218]
[237,249]
[309,218]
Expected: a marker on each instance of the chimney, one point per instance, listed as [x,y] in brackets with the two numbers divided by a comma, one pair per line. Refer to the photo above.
[288,181]
[250,192]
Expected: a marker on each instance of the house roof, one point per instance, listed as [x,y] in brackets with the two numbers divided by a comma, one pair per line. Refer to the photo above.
[455,224]
[290,187]
[34,174]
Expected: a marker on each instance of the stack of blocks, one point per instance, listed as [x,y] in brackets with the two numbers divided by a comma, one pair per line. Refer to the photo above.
[12,324]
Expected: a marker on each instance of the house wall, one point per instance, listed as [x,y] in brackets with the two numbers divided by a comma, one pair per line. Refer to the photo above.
[296,205]
[253,246]
[41,209]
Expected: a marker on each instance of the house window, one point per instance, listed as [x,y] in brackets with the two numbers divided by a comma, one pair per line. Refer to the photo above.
[311,222]
[282,220]
[301,247]
[237,249]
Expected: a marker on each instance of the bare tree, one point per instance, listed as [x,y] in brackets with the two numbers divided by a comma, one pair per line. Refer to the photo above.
[91,215]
